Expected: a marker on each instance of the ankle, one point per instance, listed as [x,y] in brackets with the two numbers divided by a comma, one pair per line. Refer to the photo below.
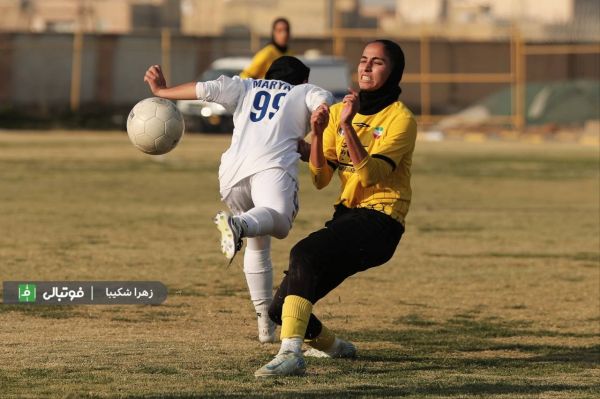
[241,225]
[291,345]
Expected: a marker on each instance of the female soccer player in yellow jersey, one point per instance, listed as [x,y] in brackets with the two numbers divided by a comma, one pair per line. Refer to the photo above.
[278,46]
[369,139]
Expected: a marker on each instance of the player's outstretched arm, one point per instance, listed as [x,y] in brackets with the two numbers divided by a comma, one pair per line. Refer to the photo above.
[158,85]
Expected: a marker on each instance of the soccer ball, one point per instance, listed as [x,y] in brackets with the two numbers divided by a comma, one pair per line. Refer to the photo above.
[155,126]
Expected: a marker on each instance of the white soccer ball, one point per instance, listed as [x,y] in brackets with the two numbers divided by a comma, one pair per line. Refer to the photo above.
[155,126]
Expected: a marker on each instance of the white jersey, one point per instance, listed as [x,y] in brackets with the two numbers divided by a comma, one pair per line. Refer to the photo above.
[269,118]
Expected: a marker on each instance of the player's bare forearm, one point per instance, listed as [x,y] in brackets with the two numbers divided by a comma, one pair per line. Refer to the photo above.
[355,148]
[319,120]
[317,158]
[186,91]
[320,171]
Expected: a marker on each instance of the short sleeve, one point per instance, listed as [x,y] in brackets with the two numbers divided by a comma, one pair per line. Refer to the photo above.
[225,91]
[399,141]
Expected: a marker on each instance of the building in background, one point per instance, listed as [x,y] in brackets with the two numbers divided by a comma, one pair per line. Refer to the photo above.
[310,18]
[537,19]
[101,16]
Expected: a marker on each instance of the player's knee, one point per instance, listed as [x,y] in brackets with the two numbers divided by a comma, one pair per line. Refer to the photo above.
[302,252]
[281,225]
[281,233]
[302,261]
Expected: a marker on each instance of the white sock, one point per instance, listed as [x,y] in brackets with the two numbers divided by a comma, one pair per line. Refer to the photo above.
[262,308]
[263,221]
[259,273]
[291,345]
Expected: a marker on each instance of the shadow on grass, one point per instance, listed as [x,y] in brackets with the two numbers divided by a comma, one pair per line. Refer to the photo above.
[454,347]
[480,389]
[465,334]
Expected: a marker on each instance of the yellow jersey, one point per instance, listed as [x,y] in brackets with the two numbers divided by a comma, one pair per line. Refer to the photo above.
[261,62]
[382,180]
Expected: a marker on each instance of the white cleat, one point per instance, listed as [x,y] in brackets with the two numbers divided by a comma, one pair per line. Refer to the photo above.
[266,329]
[284,364]
[231,234]
[341,350]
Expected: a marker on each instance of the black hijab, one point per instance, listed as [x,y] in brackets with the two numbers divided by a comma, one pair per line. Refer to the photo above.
[289,69]
[371,102]
[283,49]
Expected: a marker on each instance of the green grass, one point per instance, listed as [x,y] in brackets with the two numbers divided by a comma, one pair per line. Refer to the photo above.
[492,293]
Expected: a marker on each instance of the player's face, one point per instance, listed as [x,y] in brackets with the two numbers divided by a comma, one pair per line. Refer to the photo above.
[374,67]
[281,33]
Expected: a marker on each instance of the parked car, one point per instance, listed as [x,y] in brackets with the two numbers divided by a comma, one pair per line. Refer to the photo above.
[328,72]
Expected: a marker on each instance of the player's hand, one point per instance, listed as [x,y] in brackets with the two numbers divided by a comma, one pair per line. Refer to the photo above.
[351,106]
[319,119]
[155,79]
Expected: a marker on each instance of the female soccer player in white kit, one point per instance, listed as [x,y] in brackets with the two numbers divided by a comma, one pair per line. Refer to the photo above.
[258,173]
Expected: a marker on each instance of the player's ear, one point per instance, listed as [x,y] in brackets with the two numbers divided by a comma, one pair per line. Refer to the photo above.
[305,81]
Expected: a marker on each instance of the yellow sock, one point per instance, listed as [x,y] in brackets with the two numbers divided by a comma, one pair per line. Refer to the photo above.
[294,316]
[323,341]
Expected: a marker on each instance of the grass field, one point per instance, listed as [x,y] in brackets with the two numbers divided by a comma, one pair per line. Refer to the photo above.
[494,290]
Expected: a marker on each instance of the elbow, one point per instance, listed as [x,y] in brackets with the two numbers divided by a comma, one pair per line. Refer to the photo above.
[367,179]
[319,184]
[374,171]
[368,182]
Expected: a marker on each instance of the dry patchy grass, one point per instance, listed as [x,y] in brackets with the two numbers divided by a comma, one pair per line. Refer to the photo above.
[493,291]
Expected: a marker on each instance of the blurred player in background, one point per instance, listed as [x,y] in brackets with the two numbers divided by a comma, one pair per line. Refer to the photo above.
[280,36]
[258,173]
[369,140]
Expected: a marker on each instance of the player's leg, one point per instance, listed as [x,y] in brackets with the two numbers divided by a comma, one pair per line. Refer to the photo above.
[274,195]
[259,277]
[294,312]
[257,261]
[354,240]
[312,281]
[275,198]
[323,342]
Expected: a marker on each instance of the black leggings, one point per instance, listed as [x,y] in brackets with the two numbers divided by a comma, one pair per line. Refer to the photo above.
[355,239]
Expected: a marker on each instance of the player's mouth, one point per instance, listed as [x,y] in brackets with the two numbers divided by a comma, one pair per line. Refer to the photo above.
[365,78]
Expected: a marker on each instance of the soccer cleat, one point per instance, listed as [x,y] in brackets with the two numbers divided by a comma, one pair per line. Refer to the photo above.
[231,234]
[266,329]
[341,350]
[284,364]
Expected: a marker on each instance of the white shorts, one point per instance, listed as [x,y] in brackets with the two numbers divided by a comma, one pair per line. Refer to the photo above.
[272,188]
